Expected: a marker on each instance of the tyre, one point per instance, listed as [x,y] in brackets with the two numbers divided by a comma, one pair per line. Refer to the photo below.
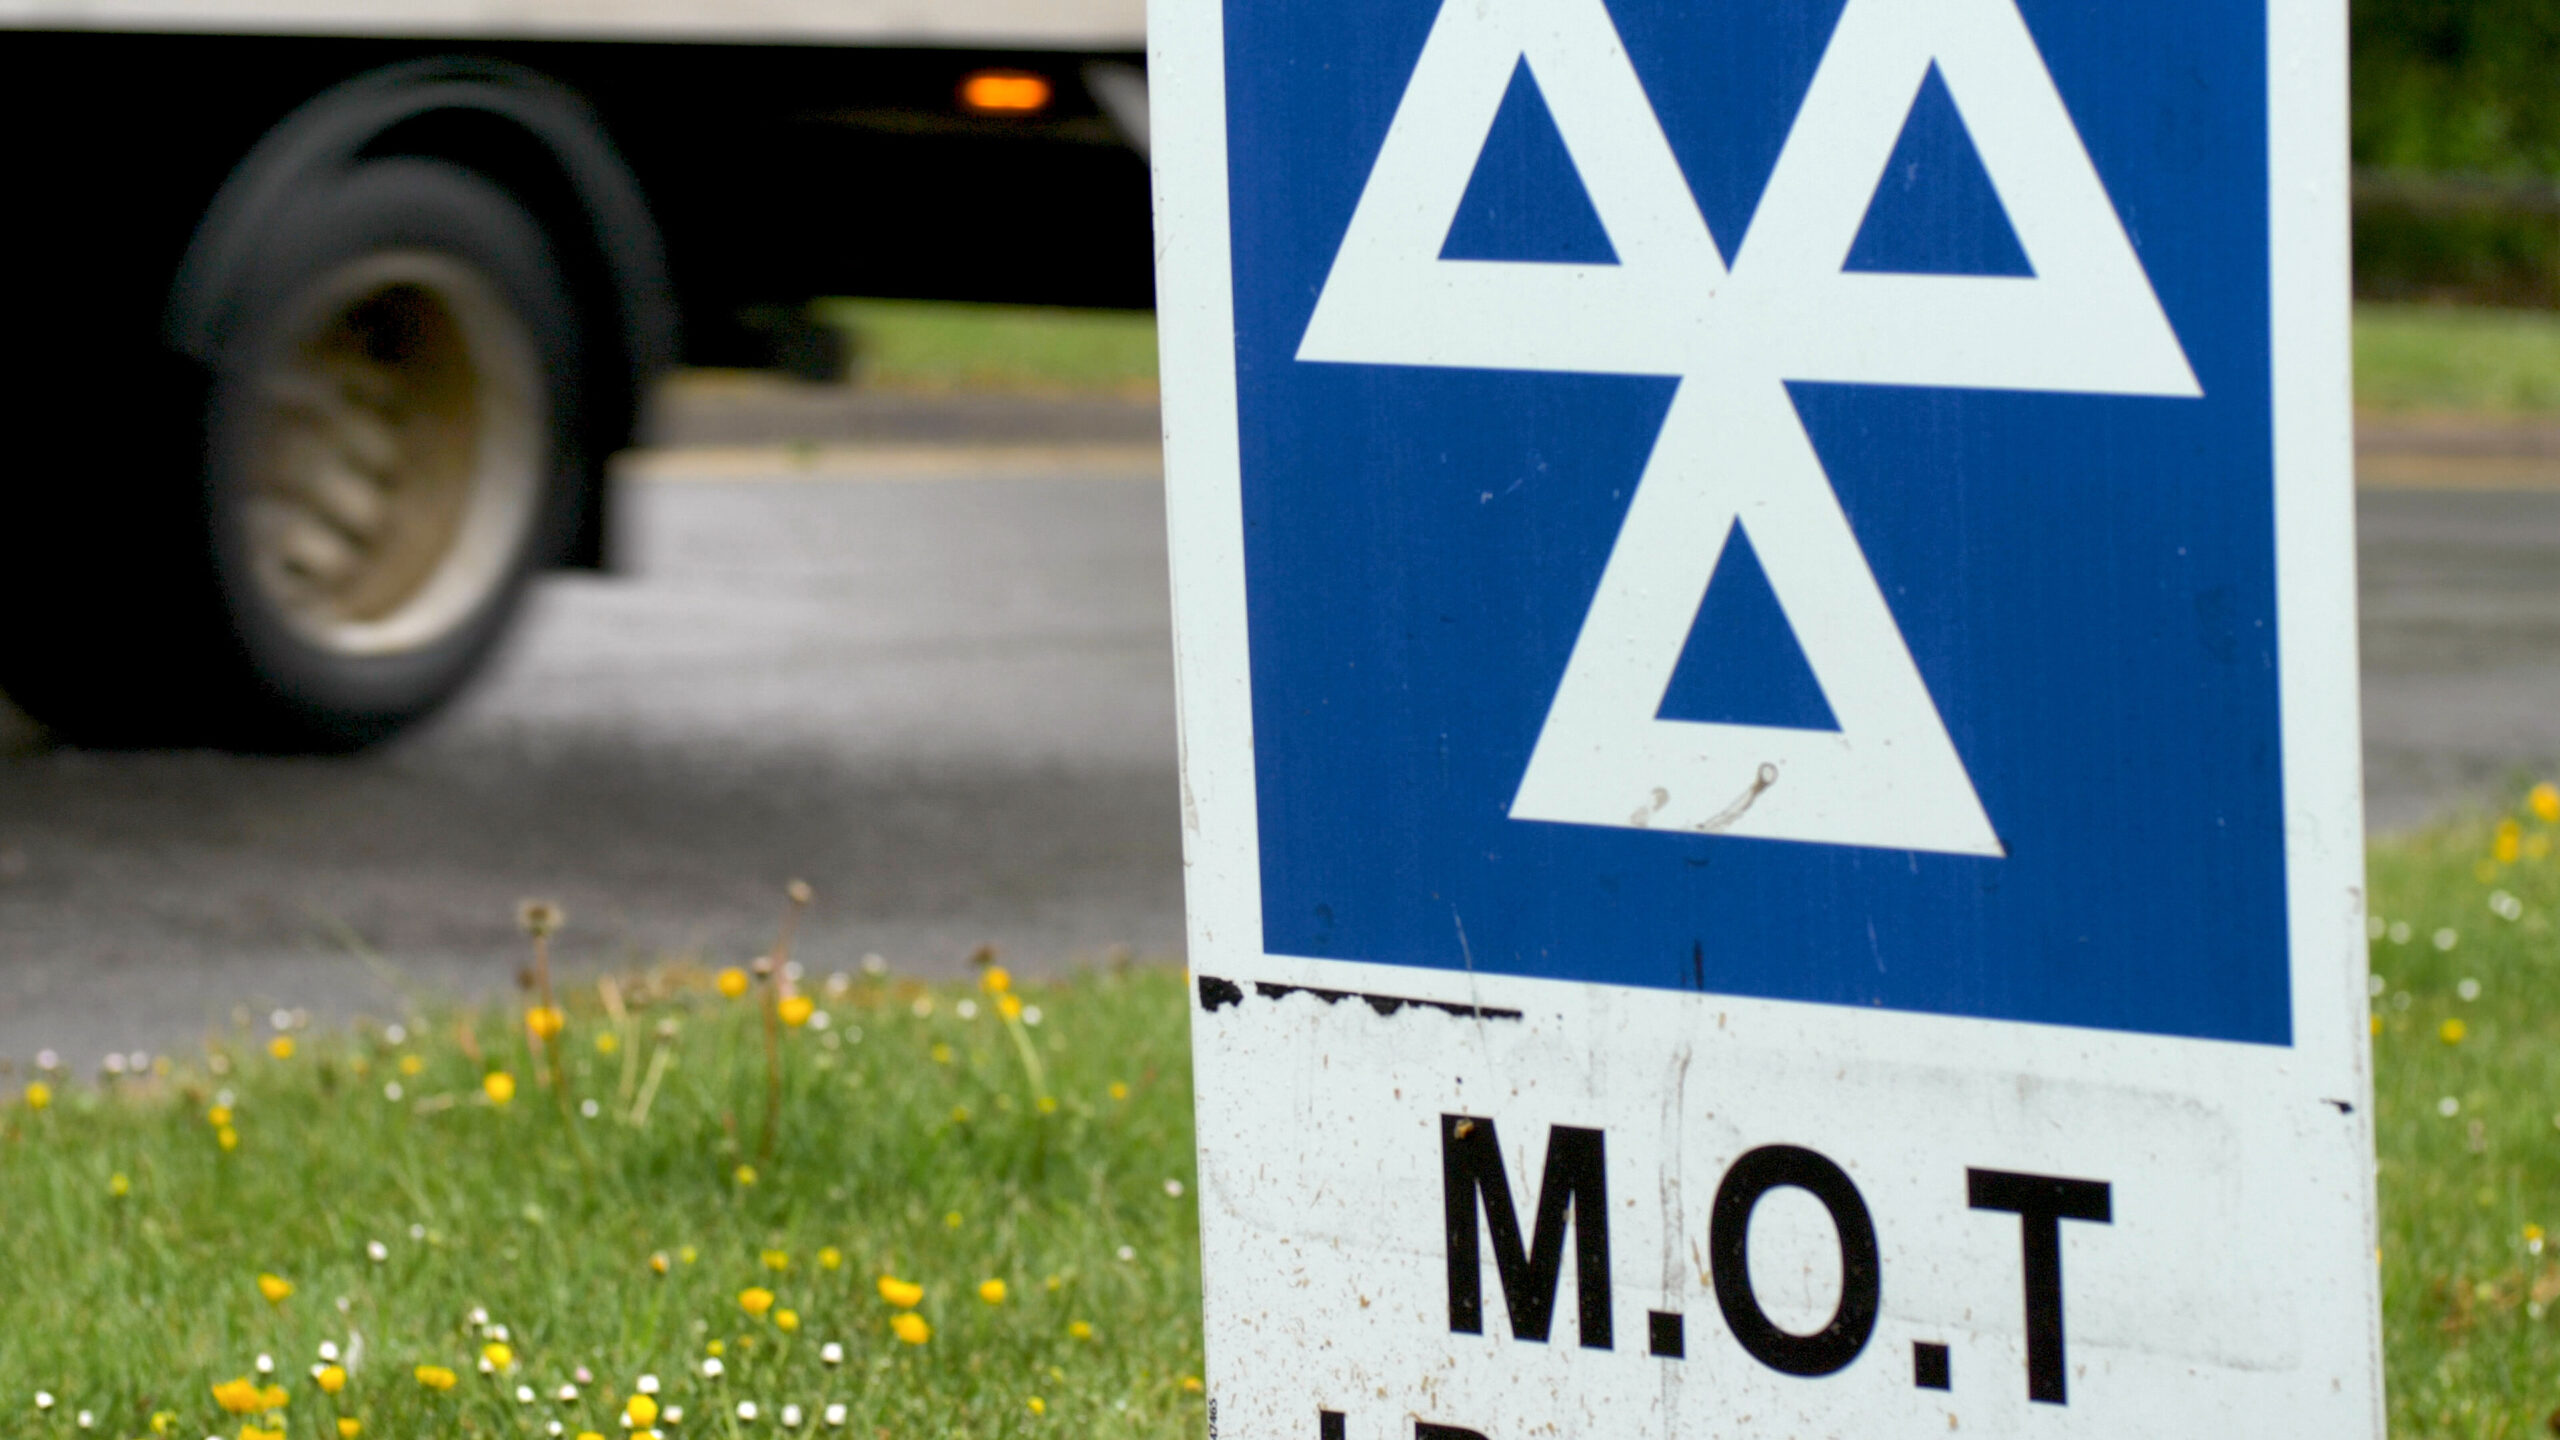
[390,450]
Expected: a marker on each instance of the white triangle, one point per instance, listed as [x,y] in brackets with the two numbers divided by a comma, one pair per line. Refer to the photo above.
[1732,446]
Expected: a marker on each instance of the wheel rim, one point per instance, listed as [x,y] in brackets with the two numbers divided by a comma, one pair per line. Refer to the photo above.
[396,455]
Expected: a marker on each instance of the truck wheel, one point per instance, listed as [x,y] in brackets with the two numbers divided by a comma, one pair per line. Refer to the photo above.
[391,451]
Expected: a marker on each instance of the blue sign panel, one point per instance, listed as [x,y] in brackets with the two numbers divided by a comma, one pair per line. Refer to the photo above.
[1771,499]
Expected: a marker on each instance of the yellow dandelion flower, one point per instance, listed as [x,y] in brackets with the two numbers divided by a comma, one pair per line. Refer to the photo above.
[607,1042]
[2532,1233]
[499,1356]
[658,1263]
[941,1053]
[1119,1089]
[786,1320]
[795,1010]
[163,1421]
[2452,1031]
[252,1432]
[39,1095]
[2377,1024]
[1036,1405]
[1009,1006]
[904,1294]
[273,1398]
[997,980]
[349,1427]
[755,1300]
[951,1220]
[688,1254]
[1079,1330]
[218,1116]
[716,1347]
[435,1377]
[227,1138]
[777,1260]
[2545,800]
[413,1065]
[332,1379]
[641,1411]
[281,1047]
[732,982]
[991,1291]
[544,1021]
[240,1396]
[119,1185]
[2509,842]
[830,1258]
[959,1114]
[910,1327]
[499,1086]
[1053,1284]
[744,1175]
[1046,1104]
[1191,1384]
[275,1288]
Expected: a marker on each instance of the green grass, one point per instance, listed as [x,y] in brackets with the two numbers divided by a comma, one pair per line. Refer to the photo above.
[2408,357]
[912,1144]
[2471,1305]
[2440,358]
[906,344]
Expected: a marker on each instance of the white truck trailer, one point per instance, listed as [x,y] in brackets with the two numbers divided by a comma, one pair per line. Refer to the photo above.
[325,315]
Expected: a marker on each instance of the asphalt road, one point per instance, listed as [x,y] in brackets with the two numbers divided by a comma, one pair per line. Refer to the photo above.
[934,681]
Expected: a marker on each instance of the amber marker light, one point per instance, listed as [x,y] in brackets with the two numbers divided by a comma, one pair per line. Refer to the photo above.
[1005,92]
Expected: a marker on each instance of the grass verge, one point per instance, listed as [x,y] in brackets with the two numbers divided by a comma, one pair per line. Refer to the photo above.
[484,1257]
[551,1247]
[2467,1118]
[921,345]
[2434,357]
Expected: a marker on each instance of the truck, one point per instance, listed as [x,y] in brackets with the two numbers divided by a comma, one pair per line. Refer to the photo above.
[326,316]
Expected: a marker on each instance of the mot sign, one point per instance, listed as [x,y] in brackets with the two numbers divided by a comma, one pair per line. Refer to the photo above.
[1766,641]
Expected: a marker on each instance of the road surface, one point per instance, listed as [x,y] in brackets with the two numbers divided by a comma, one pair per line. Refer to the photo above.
[935,680]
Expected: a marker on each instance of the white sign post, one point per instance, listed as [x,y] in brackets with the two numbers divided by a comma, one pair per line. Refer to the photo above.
[1765,623]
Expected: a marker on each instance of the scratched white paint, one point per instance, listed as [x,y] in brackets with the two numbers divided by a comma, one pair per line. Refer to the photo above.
[2214,1303]
[2233,1293]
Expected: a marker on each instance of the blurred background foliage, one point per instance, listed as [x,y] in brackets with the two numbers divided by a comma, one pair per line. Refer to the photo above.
[2456,142]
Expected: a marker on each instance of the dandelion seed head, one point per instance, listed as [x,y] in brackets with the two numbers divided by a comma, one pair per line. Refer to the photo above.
[2447,938]
[2469,989]
[1127,1253]
[44,1400]
[747,1410]
[329,1350]
[1173,1188]
[47,1060]
[1030,1014]
[2399,932]
[2375,985]
[417,1232]
[396,1033]
[875,965]
[646,1385]
[113,1064]
[712,1369]
[966,1009]
[2448,1107]
[834,1413]
[525,1395]
[831,1353]
[819,1020]
[589,1108]
[791,1416]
